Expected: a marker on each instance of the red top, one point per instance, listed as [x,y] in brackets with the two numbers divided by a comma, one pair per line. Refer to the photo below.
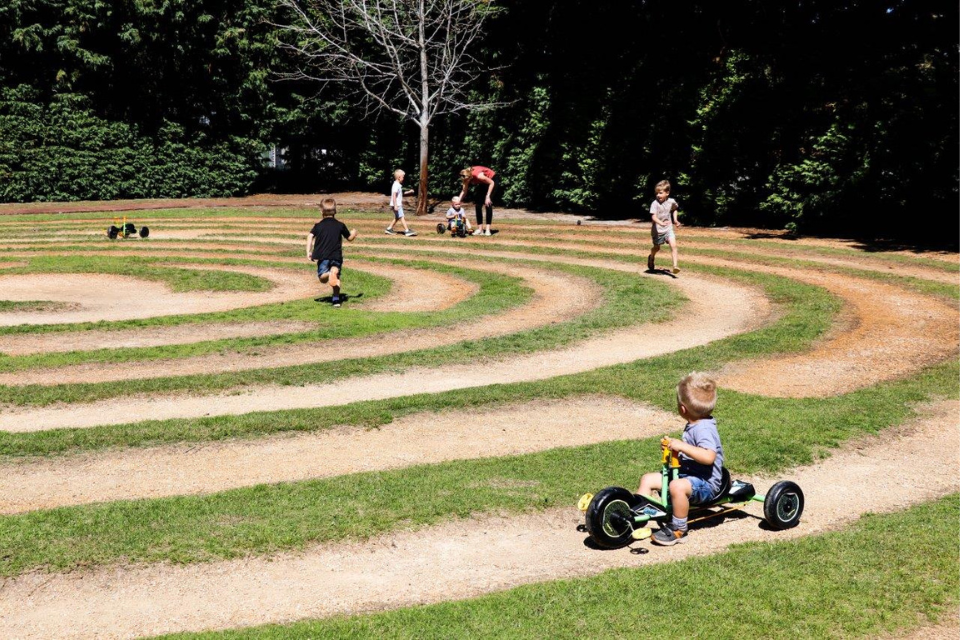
[478,171]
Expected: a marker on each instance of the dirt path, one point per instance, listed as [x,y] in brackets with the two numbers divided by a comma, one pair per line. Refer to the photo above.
[155,472]
[545,307]
[101,297]
[889,332]
[717,309]
[457,560]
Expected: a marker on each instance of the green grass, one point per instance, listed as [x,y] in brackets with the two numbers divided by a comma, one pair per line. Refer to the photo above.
[14,306]
[886,574]
[626,300]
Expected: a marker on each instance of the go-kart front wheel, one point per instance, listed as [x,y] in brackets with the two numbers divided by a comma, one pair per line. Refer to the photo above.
[144,232]
[609,517]
[783,505]
[441,228]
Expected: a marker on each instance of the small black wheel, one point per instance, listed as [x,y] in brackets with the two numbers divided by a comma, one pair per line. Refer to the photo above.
[113,232]
[129,229]
[144,232]
[609,517]
[783,505]
[461,232]
[441,228]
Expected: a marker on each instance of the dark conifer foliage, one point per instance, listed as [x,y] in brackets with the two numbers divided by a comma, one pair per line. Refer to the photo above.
[820,116]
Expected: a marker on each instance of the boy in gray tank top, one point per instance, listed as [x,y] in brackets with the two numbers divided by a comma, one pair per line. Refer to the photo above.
[701,457]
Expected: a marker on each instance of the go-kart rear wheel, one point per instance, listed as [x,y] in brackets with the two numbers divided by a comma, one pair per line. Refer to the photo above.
[783,505]
[144,232]
[113,232]
[441,228]
[609,517]
[129,229]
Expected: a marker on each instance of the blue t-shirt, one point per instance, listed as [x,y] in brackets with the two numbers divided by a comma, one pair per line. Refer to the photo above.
[703,433]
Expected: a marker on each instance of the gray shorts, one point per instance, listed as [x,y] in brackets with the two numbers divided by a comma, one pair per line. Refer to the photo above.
[663,238]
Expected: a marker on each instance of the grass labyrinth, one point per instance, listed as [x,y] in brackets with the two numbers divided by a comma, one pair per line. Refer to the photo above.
[192,443]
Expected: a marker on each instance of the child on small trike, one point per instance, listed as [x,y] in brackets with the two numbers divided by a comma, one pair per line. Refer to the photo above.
[691,482]
[457,223]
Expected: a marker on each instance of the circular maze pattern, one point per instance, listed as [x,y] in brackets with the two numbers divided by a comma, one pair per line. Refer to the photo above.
[194,438]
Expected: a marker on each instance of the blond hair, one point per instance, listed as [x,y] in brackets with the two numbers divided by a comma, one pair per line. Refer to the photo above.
[698,393]
[663,185]
[328,207]
[398,173]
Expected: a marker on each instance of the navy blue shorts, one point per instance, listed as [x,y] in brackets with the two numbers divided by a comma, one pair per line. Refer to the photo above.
[324,266]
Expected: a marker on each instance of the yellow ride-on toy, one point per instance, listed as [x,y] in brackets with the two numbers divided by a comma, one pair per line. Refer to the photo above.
[614,513]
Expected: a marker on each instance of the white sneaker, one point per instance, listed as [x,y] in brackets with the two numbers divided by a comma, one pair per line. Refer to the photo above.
[487,233]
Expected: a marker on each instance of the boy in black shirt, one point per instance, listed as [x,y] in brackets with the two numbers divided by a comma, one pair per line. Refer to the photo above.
[325,246]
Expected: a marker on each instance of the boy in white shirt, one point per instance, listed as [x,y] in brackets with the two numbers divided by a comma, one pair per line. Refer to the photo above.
[663,215]
[396,203]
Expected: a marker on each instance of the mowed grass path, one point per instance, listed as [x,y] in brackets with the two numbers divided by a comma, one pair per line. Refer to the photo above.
[760,434]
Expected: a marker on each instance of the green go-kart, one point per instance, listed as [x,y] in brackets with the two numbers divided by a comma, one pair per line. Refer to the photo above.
[616,516]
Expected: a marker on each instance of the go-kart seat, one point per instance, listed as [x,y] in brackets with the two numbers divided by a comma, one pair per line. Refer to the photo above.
[724,483]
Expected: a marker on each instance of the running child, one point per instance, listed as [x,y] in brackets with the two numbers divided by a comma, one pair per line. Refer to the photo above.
[396,203]
[325,246]
[456,212]
[663,216]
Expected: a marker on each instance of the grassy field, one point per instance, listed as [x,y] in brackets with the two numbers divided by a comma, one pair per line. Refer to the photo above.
[783,589]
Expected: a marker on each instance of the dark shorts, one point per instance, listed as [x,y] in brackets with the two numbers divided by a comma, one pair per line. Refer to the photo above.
[324,266]
[702,491]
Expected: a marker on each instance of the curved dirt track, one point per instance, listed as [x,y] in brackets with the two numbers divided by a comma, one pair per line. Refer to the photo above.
[544,308]
[154,472]
[888,332]
[457,560]
[717,310]
[102,297]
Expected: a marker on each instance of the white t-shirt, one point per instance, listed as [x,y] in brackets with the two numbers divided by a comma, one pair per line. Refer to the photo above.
[396,195]
[453,213]
[662,212]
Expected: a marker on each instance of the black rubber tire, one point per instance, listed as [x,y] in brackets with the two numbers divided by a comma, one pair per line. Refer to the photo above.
[461,232]
[783,505]
[129,229]
[144,232]
[113,232]
[441,228]
[610,519]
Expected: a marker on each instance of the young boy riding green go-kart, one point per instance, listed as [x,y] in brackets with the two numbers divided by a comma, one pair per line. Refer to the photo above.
[616,516]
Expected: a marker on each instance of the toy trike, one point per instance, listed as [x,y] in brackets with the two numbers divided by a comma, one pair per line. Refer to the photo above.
[123,229]
[614,513]
[458,228]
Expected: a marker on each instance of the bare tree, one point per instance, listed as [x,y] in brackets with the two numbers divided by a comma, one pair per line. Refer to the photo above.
[409,57]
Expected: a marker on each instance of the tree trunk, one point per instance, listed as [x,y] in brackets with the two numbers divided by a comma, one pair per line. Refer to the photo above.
[424,147]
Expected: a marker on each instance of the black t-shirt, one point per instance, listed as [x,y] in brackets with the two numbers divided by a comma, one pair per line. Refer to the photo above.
[327,244]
